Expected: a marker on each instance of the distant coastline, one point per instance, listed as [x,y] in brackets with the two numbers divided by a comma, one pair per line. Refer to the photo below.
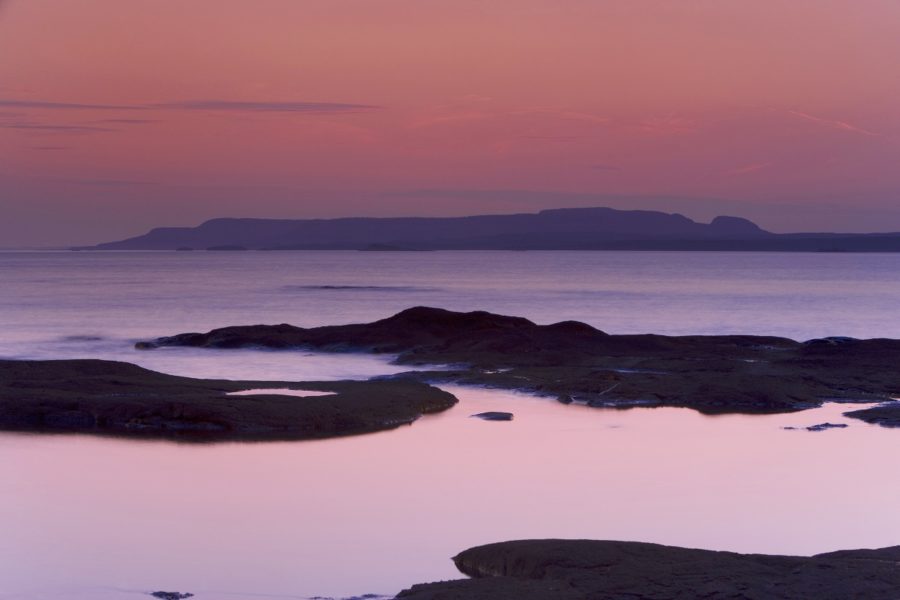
[558,229]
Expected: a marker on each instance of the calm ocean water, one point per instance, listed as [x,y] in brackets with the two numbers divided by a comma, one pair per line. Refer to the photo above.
[95,518]
[77,304]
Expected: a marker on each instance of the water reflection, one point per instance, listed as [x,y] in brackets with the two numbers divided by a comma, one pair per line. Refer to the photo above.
[377,512]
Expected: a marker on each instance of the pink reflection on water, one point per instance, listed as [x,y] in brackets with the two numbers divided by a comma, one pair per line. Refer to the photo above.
[280,392]
[378,512]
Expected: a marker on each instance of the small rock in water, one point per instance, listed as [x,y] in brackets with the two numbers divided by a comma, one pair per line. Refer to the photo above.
[493,415]
[824,426]
[171,595]
[820,427]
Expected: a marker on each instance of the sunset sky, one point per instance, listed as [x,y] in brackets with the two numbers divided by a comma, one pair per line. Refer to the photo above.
[121,115]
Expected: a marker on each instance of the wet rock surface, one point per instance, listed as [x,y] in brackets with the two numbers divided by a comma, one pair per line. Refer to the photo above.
[575,362]
[107,397]
[612,570]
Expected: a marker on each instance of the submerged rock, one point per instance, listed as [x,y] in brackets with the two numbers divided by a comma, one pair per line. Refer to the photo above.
[612,570]
[493,415]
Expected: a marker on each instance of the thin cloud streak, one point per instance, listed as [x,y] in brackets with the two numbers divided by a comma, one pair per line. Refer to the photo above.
[104,182]
[291,107]
[668,125]
[40,104]
[836,124]
[128,121]
[197,105]
[57,128]
[465,114]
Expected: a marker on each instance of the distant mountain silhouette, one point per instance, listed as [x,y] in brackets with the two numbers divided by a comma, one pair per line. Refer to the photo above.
[556,229]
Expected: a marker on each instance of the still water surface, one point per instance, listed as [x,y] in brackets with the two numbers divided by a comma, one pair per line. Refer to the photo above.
[86,517]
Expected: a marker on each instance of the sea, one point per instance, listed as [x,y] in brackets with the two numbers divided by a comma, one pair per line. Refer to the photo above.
[85,517]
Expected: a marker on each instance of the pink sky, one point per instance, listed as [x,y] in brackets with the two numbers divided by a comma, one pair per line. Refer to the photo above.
[119,116]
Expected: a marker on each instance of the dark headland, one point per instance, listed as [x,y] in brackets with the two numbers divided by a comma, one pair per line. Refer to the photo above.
[575,362]
[116,398]
[557,229]
[610,570]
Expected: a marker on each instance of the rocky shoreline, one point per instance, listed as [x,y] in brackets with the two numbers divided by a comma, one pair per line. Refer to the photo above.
[613,570]
[116,398]
[569,361]
[575,362]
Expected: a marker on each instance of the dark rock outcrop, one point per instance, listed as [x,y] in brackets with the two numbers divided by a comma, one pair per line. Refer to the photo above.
[886,415]
[574,361]
[106,397]
[611,570]
[172,595]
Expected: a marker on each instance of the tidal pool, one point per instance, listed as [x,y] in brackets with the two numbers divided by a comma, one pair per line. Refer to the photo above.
[108,519]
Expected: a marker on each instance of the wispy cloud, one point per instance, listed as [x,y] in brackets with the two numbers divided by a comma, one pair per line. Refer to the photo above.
[104,182]
[833,123]
[289,107]
[668,125]
[553,138]
[128,121]
[197,105]
[565,114]
[458,117]
[443,114]
[40,104]
[57,128]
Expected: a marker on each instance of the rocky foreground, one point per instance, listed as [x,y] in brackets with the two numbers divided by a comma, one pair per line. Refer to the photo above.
[106,397]
[608,570]
[573,361]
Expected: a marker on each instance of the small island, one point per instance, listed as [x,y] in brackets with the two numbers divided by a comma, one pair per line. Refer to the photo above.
[116,398]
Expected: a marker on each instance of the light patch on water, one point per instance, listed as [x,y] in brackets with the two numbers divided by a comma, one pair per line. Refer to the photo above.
[281,392]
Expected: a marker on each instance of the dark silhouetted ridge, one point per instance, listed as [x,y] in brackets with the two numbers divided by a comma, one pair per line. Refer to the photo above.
[597,228]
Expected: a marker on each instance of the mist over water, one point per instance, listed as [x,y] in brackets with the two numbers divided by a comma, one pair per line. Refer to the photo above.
[86,517]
